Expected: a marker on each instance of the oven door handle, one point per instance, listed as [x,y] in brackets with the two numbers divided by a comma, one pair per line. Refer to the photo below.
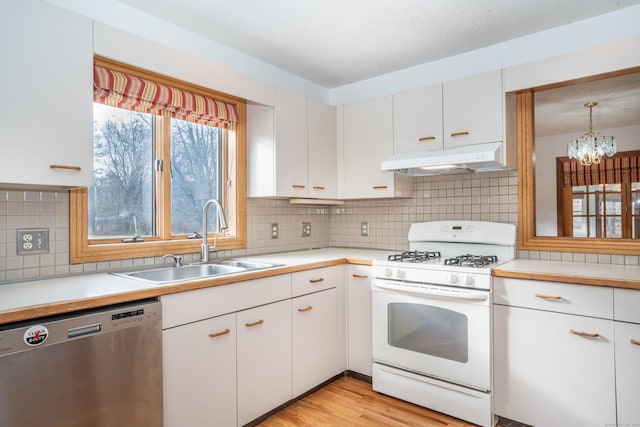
[453,293]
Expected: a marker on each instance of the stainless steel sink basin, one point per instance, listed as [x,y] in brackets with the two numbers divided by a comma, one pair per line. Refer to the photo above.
[195,271]
[248,265]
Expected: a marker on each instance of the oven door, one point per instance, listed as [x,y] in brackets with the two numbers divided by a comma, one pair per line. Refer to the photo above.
[441,332]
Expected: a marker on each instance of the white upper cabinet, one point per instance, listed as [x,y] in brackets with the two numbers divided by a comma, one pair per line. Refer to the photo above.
[292,148]
[473,110]
[321,150]
[46,76]
[417,120]
[367,141]
[290,144]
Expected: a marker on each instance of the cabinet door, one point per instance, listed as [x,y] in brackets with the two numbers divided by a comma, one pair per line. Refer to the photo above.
[199,373]
[359,318]
[417,120]
[628,373]
[473,110]
[322,150]
[291,144]
[368,140]
[546,376]
[46,80]
[264,359]
[313,339]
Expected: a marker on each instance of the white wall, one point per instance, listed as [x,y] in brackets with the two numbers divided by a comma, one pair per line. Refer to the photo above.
[609,28]
[546,150]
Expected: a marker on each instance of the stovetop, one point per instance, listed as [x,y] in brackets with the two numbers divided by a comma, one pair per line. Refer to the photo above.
[464,260]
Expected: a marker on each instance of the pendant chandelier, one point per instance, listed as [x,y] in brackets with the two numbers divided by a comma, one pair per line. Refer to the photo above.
[592,146]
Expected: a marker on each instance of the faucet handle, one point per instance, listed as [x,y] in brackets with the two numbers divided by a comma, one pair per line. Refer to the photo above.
[176,258]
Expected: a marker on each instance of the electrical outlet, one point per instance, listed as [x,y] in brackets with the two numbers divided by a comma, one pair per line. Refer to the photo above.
[364,228]
[32,241]
[274,231]
[306,229]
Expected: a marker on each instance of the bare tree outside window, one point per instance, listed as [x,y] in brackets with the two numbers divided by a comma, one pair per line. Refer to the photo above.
[195,173]
[121,200]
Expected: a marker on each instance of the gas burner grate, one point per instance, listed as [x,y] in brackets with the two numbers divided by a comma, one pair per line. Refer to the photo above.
[414,256]
[468,260]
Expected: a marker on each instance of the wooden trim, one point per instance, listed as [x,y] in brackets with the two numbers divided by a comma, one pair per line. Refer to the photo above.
[630,283]
[525,134]
[81,250]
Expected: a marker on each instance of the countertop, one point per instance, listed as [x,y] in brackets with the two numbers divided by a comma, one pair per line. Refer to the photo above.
[27,300]
[617,276]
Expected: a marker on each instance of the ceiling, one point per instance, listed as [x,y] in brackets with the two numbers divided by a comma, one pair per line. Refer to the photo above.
[561,111]
[337,42]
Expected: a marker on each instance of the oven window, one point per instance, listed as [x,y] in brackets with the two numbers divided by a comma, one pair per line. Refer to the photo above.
[429,330]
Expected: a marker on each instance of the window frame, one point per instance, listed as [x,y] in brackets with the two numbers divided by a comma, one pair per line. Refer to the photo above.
[82,250]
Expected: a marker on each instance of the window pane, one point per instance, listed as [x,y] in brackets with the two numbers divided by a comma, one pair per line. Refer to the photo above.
[614,204]
[579,226]
[121,200]
[195,173]
[612,188]
[579,204]
[614,227]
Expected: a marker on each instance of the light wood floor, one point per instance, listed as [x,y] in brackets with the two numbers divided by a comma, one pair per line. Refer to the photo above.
[351,402]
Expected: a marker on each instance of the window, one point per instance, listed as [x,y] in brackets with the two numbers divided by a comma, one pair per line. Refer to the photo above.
[601,201]
[158,157]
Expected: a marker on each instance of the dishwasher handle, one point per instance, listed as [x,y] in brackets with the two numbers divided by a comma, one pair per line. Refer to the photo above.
[84,330]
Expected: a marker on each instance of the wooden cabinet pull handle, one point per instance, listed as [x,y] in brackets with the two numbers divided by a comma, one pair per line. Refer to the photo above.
[379,187]
[632,341]
[219,334]
[67,167]
[298,186]
[307,308]
[426,138]
[453,135]
[316,280]
[360,276]
[256,323]
[318,187]
[584,334]
[543,296]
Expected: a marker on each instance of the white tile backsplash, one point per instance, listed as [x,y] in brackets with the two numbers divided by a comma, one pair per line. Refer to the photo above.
[490,196]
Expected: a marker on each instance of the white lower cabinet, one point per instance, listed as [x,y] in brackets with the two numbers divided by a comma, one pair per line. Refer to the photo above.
[264,359]
[359,318]
[199,369]
[628,373]
[627,327]
[550,367]
[313,323]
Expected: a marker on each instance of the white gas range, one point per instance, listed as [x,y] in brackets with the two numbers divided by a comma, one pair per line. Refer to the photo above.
[431,312]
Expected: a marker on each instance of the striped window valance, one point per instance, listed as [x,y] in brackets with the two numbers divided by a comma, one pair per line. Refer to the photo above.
[123,90]
[613,170]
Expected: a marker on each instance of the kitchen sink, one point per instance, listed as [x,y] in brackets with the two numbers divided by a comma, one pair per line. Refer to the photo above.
[195,271]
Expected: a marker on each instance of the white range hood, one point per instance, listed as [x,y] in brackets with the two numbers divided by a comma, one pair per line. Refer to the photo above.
[468,158]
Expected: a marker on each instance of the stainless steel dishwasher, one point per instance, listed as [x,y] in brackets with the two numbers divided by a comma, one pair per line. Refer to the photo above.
[95,368]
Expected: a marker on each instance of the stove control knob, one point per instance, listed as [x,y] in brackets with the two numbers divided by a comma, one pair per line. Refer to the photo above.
[469,281]
[387,272]
[401,274]
[453,279]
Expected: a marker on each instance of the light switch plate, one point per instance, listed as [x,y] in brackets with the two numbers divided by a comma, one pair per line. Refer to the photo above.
[32,241]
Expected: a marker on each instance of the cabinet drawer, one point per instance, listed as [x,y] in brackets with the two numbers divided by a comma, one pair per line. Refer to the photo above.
[318,279]
[191,306]
[626,305]
[552,296]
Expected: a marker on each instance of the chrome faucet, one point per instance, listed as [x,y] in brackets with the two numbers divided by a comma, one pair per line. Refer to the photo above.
[222,224]
[177,259]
